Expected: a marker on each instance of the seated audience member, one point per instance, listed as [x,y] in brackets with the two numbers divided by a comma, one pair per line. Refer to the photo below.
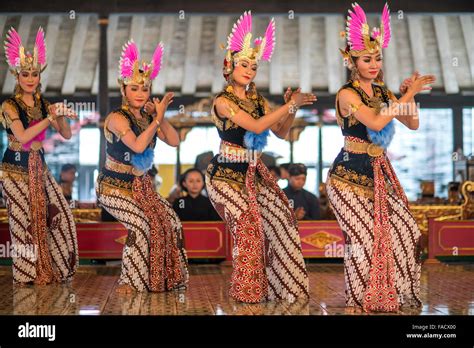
[66,180]
[305,204]
[194,206]
[276,172]
[284,171]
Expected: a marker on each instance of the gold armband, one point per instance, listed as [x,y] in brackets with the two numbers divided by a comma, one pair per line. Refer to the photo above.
[232,112]
[354,108]
[6,120]
[120,135]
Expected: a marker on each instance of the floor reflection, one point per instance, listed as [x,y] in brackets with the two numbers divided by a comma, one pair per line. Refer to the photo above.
[445,290]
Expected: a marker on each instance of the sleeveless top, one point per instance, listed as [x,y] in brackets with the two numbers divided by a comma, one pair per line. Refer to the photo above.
[356,169]
[234,172]
[16,161]
[121,153]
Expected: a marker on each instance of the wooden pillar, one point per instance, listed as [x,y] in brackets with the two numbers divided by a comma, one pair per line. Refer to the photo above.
[458,142]
[320,150]
[178,162]
[103,91]
[291,150]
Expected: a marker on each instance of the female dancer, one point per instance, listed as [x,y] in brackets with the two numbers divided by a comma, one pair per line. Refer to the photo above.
[382,265]
[42,228]
[154,258]
[267,259]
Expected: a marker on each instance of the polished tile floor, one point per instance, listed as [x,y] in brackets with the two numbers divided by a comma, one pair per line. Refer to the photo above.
[445,290]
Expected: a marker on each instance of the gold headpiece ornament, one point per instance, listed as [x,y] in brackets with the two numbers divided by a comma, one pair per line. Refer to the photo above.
[239,43]
[18,59]
[134,70]
[360,41]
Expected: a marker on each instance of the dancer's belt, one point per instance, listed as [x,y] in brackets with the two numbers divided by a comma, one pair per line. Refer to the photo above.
[122,168]
[238,153]
[357,145]
[15,145]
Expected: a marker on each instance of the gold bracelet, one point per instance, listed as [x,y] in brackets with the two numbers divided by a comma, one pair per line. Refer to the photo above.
[158,123]
[293,107]
[51,118]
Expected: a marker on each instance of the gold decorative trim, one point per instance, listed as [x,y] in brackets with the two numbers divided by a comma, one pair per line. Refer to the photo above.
[15,172]
[33,112]
[118,167]
[16,146]
[235,179]
[352,176]
[227,174]
[342,184]
[320,239]
[108,189]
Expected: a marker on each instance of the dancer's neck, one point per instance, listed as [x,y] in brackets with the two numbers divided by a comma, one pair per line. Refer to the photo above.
[366,85]
[239,91]
[28,99]
[135,111]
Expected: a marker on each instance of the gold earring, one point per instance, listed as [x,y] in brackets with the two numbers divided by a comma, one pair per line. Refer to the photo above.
[18,92]
[230,82]
[355,77]
[125,104]
[38,92]
[379,79]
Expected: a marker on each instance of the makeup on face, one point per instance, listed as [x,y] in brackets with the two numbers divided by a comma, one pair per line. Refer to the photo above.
[28,80]
[137,95]
[370,65]
[245,71]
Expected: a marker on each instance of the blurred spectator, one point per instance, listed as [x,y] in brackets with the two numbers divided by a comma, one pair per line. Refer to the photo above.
[67,176]
[305,204]
[284,171]
[194,206]
[276,172]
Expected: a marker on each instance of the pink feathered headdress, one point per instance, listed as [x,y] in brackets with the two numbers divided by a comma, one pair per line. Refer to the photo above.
[359,38]
[239,43]
[132,69]
[18,59]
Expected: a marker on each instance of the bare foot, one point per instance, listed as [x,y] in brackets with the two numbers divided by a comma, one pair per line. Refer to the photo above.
[124,289]
[354,310]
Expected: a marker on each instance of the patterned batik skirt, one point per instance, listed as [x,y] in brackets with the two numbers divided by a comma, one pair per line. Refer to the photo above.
[271,268]
[154,257]
[355,215]
[42,229]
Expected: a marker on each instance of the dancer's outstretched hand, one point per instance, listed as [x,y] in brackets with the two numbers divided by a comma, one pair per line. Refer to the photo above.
[161,106]
[288,93]
[421,83]
[407,82]
[60,109]
[302,99]
[150,107]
